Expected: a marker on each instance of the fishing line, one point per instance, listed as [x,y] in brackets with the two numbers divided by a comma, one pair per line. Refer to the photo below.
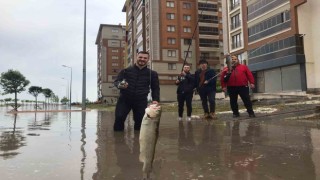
[194,32]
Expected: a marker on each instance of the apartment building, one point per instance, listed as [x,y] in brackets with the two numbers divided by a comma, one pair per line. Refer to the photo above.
[269,37]
[170,32]
[211,32]
[110,43]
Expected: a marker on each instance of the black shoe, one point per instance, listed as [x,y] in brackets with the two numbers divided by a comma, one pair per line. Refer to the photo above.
[252,115]
[236,116]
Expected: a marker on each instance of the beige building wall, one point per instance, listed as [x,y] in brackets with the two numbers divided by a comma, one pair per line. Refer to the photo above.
[308,21]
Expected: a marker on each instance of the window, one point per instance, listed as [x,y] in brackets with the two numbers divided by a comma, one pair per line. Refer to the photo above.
[170,16]
[209,43]
[171,28]
[116,70]
[205,55]
[187,54]
[236,41]
[115,64]
[114,77]
[208,19]
[114,50]
[186,5]
[114,57]
[114,30]
[208,30]
[235,21]
[170,4]
[187,41]
[172,66]
[207,7]
[171,41]
[171,53]
[187,17]
[187,29]
[234,4]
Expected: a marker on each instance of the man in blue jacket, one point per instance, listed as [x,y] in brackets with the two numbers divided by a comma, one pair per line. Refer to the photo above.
[135,83]
[205,82]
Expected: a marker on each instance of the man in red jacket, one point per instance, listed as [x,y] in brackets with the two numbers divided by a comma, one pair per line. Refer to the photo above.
[236,81]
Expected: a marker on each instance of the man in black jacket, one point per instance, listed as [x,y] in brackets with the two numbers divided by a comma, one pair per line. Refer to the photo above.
[134,83]
[185,83]
[205,82]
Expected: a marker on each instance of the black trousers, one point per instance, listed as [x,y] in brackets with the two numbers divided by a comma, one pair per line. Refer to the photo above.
[185,97]
[205,96]
[124,106]
[243,92]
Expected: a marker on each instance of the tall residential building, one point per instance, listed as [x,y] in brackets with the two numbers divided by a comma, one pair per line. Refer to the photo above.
[170,31]
[110,60]
[270,37]
[210,32]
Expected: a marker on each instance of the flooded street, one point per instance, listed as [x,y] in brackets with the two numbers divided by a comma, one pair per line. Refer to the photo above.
[82,145]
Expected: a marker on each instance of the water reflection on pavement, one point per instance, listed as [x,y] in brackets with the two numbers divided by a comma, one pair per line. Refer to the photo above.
[82,145]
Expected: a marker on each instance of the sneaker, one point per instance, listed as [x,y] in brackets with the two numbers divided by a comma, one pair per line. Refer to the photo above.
[188,118]
[252,115]
[236,115]
[179,118]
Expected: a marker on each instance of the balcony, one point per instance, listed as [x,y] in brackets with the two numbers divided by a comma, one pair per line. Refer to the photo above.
[209,32]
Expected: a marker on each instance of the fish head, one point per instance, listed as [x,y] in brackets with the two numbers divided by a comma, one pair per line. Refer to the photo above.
[153,111]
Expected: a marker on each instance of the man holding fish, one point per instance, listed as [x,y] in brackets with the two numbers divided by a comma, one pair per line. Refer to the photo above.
[135,83]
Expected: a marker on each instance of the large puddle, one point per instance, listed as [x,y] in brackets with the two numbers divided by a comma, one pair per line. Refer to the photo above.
[82,145]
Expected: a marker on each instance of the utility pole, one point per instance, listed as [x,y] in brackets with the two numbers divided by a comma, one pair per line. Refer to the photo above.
[84,60]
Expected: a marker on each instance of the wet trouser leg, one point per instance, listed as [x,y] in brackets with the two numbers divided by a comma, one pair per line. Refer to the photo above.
[204,100]
[244,94]
[189,97]
[212,101]
[180,98]
[122,110]
[233,95]
[138,110]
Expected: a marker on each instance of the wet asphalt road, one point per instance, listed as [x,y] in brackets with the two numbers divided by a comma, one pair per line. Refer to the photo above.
[82,145]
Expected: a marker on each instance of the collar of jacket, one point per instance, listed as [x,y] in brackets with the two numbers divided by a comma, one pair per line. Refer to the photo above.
[139,67]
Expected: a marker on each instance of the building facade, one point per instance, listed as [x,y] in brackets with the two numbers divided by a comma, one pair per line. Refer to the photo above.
[110,60]
[270,37]
[173,32]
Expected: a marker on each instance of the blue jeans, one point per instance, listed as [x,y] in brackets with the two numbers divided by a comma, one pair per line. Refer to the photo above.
[208,96]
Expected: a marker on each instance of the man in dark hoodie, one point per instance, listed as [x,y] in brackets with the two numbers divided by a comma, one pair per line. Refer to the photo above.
[135,83]
[185,83]
[205,82]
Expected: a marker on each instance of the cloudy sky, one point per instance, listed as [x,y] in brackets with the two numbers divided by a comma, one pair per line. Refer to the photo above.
[37,37]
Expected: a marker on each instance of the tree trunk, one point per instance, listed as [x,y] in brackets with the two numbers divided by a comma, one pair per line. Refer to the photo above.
[36,104]
[15,101]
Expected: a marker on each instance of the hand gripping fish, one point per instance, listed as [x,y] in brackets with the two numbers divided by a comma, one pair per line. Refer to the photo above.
[148,137]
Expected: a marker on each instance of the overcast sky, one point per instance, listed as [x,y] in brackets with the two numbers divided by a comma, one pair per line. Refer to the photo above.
[37,37]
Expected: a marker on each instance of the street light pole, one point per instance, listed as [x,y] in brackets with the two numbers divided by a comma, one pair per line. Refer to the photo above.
[84,60]
[70,83]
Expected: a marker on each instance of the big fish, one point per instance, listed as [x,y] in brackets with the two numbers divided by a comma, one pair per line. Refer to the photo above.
[149,133]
